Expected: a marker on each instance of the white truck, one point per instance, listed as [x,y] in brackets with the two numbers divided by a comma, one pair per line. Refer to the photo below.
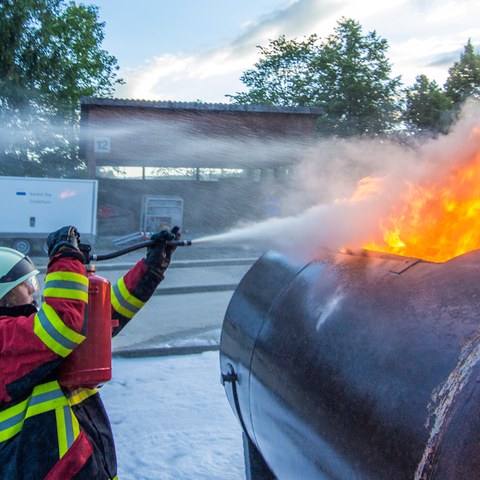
[31,208]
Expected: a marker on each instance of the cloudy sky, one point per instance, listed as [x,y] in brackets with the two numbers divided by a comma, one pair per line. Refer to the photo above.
[188,50]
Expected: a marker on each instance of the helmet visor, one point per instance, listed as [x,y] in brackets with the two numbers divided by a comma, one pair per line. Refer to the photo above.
[19,270]
[32,285]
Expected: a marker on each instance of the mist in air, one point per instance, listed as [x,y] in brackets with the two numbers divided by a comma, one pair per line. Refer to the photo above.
[340,192]
[351,185]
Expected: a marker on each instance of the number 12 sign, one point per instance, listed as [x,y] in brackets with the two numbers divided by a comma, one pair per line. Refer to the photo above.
[101,145]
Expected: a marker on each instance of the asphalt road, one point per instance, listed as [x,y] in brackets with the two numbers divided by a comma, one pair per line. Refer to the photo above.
[187,309]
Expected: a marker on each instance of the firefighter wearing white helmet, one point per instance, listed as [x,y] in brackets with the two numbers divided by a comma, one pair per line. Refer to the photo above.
[18,279]
[47,431]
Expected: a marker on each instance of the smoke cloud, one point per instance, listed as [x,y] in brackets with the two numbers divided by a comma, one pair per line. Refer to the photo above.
[345,189]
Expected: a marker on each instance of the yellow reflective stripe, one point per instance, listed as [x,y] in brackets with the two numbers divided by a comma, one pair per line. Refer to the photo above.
[57,336]
[67,276]
[68,429]
[123,301]
[11,420]
[66,285]
[79,395]
[44,398]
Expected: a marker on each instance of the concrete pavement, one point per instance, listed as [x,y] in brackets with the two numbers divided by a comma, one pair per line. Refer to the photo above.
[187,310]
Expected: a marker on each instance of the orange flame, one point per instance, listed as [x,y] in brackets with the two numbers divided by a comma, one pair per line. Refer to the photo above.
[437,219]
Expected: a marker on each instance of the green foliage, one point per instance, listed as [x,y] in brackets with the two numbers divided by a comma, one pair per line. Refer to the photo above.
[352,82]
[50,56]
[348,74]
[427,106]
[281,77]
[464,77]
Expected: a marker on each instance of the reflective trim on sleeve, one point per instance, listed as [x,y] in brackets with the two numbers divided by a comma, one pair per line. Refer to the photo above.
[59,338]
[44,398]
[66,285]
[123,301]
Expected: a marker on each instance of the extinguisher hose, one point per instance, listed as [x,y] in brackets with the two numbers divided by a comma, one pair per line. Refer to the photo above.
[85,249]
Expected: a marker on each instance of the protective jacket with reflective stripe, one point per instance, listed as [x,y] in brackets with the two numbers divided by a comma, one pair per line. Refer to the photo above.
[46,432]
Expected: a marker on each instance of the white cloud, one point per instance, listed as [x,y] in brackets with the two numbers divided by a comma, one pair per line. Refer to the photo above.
[180,77]
[424,38]
[211,75]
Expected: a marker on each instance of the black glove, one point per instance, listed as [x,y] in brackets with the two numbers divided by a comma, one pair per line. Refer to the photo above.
[170,248]
[159,254]
[66,238]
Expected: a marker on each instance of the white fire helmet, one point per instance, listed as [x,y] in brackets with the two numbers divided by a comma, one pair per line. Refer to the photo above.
[15,268]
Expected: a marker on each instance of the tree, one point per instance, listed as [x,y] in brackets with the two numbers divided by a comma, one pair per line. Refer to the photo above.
[50,56]
[427,106]
[348,75]
[356,90]
[281,76]
[464,77]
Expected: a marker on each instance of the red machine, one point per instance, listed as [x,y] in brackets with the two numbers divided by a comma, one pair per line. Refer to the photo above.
[90,364]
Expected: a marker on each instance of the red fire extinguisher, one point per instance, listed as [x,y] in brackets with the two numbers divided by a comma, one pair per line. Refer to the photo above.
[90,364]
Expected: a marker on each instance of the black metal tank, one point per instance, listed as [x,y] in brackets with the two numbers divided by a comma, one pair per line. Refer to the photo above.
[356,365]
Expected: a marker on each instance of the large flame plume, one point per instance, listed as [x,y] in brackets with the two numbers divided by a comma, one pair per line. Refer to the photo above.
[438,216]
[420,201]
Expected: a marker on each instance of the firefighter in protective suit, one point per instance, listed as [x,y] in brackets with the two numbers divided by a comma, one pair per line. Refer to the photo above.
[46,432]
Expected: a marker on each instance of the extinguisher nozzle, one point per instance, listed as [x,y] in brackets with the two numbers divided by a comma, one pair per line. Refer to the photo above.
[179,243]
